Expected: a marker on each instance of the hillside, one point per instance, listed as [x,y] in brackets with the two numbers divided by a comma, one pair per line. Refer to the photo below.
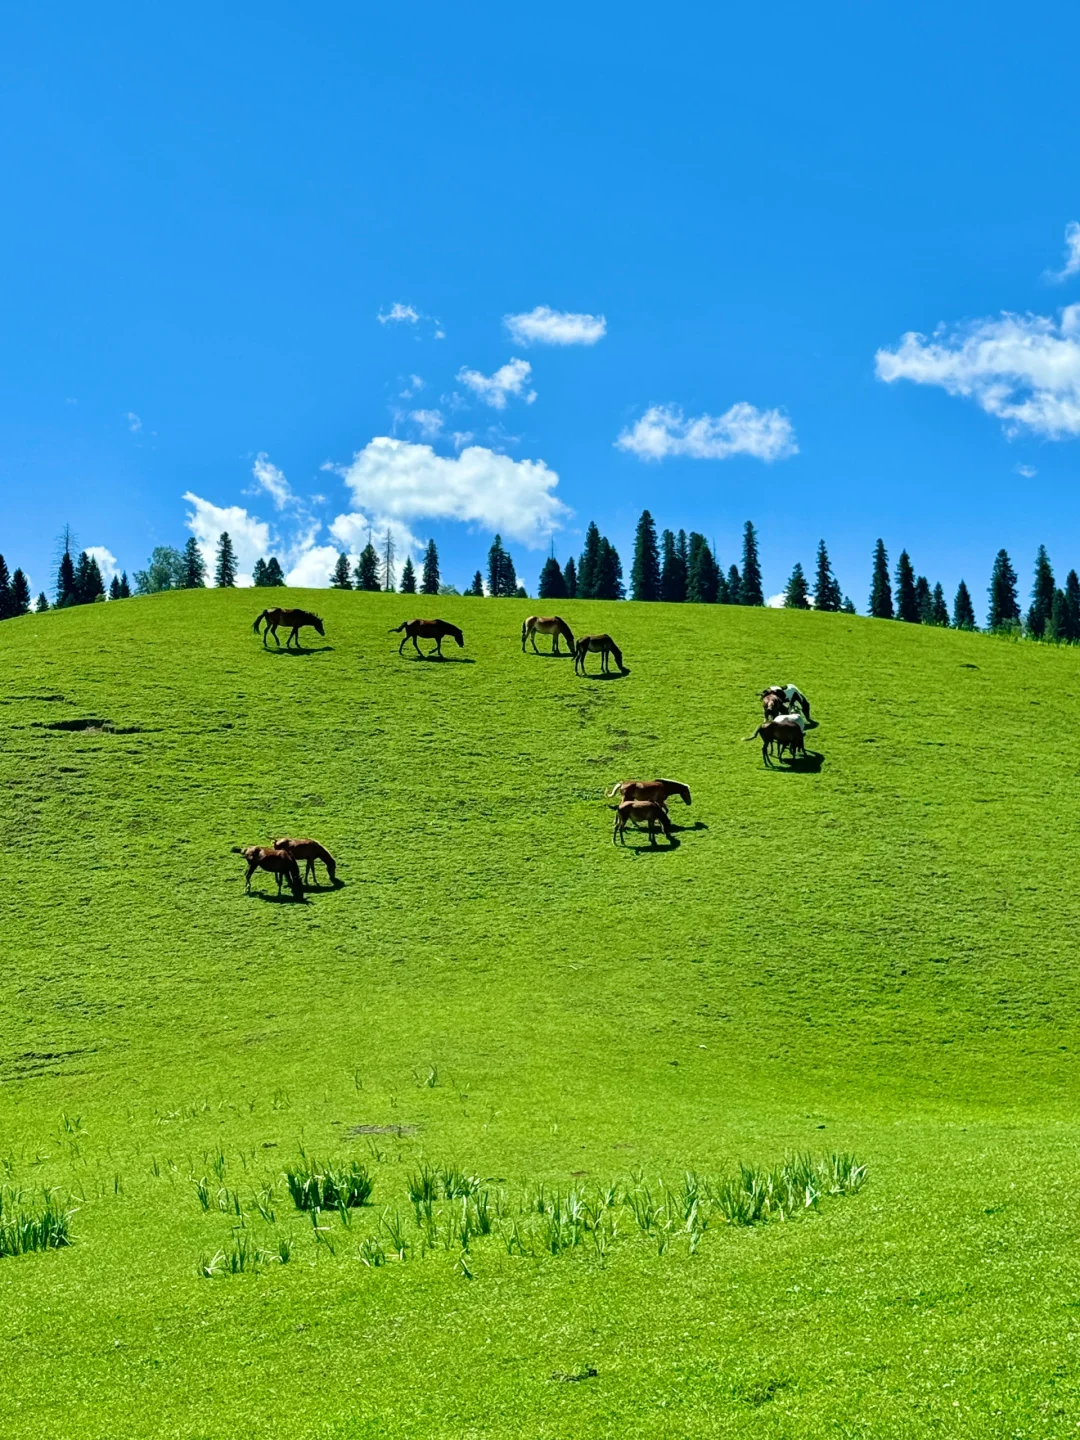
[876,957]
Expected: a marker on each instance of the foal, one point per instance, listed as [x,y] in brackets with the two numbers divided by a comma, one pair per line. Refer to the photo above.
[279,863]
[641,812]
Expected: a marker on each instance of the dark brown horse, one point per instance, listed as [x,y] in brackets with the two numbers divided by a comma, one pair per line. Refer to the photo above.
[436,630]
[605,645]
[309,851]
[659,790]
[641,812]
[279,863]
[553,625]
[786,732]
[293,620]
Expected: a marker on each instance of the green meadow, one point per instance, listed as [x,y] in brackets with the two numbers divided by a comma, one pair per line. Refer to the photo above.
[548,1056]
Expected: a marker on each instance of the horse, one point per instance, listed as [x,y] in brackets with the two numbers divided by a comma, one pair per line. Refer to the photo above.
[606,647]
[294,619]
[784,700]
[787,731]
[641,812]
[658,790]
[553,625]
[279,863]
[309,851]
[436,630]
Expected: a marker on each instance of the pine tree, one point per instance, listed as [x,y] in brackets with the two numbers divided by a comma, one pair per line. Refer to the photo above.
[797,593]
[552,581]
[750,592]
[225,573]
[408,577]
[588,568]
[939,611]
[1042,594]
[6,610]
[275,575]
[609,572]
[723,594]
[703,579]
[341,578]
[1057,625]
[429,581]
[645,571]
[924,600]
[496,569]
[734,586]
[570,578]
[367,568]
[477,586]
[1072,604]
[1004,606]
[881,603]
[114,588]
[125,588]
[826,587]
[258,574]
[20,594]
[673,571]
[88,583]
[847,606]
[194,566]
[42,604]
[963,614]
[65,580]
[907,604]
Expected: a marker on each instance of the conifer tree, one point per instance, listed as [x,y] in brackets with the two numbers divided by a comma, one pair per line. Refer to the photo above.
[881,601]
[275,575]
[570,578]
[20,594]
[258,574]
[194,573]
[587,570]
[750,592]
[502,579]
[1057,625]
[609,572]
[367,568]
[88,583]
[341,576]
[42,604]
[125,588]
[645,571]
[1004,605]
[826,588]
[65,580]
[1072,607]
[114,588]
[552,581]
[673,575]
[477,586]
[939,611]
[924,602]
[386,561]
[225,571]
[734,586]
[703,579]
[847,606]
[6,610]
[797,593]
[723,594]
[963,615]
[1042,594]
[907,604]
[429,581]
[408,577]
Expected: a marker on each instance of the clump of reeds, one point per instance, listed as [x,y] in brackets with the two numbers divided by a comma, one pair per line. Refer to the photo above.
[337,1185]
[23,1229]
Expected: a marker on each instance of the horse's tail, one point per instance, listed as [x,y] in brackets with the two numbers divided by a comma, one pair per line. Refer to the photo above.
[236,850]
[259,621]
[397,629]
[321,853]
[754,736]
[613,789]
[617,653]
[524,630]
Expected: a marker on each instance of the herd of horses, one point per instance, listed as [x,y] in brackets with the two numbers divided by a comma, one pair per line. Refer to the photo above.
[642,803]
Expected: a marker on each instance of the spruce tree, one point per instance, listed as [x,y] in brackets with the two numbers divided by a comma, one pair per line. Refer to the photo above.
[1057,626]
[408,577]
[881,602]
[429,580]
[847,606]
[88,583]
[114,588]
[924,600]
[341,577]
[1004,605]
[497,572]
[275,575]
[673,569]
[42,604]
[552,581]
[570,578]
[609,572]
[125,588]
[723,594]
[6,610]
[20,594]
[963,614]
[1072,604]
[907,603]
[703,579]
[797,593]
[734,586]
[225,571]
[826,587]
[750,591]
[477,586]
[1042,594]
[367,569]
[939,611]
[65,580]
[258,574]
[587,570]
[194,566]
[645,571]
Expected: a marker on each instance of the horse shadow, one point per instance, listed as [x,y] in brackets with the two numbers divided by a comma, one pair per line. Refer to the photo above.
[607,674]
[551,654]
[272,899]
[647,849]
[697,825]
[303,650]
[324,887]
[442,659]
[808,764]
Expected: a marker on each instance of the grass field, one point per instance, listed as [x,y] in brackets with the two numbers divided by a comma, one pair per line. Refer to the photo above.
[877,958]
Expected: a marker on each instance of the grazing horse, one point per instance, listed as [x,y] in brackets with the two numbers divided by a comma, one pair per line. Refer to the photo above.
[309,851]
[294,620]
[787,731]
[658,790]
[641,812]
[279,863]
[553,625]
[436,630]
[606,647]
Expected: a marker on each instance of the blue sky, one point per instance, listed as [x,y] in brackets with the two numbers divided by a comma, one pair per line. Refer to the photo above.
[207,212]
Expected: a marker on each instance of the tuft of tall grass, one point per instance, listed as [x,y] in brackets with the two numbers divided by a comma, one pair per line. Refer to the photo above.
[22,1230]
[334,1186]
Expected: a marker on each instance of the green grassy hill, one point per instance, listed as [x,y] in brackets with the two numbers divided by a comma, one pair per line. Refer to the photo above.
[877,958]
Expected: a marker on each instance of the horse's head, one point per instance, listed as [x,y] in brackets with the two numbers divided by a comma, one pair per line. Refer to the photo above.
[317,623]
[458,636]
[684,791]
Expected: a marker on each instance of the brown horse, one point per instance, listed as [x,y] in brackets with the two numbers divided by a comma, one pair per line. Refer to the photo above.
[553,625]
[786,732]
[293,620]
[658,790]
[641,812]
[605,645]
[436,630]
[279,863]
[309,851]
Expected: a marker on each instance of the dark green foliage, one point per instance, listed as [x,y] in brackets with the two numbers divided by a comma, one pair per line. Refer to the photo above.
[1056,629]
[1072,603]
[367,568]
[750,592]
[1004,604]
[570,577]
[734,586]
[6,610]
[848,606]
[114,588]
[258,574]
[924,601]
[429,580]
[1042,594]
[826,587]
[588,568]
[22,1231]
[65,580]
[341,576]
[645,571]
[88,583]
[477,586]
[673,575]
[225,570]
[194,571]
[609,573]
[963,610]
[939,611]
[797,592]
[20,594]
[552,581]
[502,578]
[408,577]
[336,1186]
[275,575]
[907,602]
[42,604]
[881,601]
[703,579]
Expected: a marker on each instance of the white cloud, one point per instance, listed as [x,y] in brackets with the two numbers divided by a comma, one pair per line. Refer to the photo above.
[510,379]
[250,536]
[134,423]
[1072,254]
[544,326]
[1027,471]
[429,421]
[406,482]
[272,480]
[313,567]
[461,438]
[106,561]
[776,602]
[413,386]
[399,314]
[743,430]
[1022,369]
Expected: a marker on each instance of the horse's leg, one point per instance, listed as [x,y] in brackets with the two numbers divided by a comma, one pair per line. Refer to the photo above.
[416,647]
[251,871]
[266,631]
[401,647]
[532,637]
[438,646]
[277,642]
[294,637]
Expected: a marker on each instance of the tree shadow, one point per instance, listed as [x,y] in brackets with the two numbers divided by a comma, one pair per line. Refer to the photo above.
[808,764]
[304,650]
